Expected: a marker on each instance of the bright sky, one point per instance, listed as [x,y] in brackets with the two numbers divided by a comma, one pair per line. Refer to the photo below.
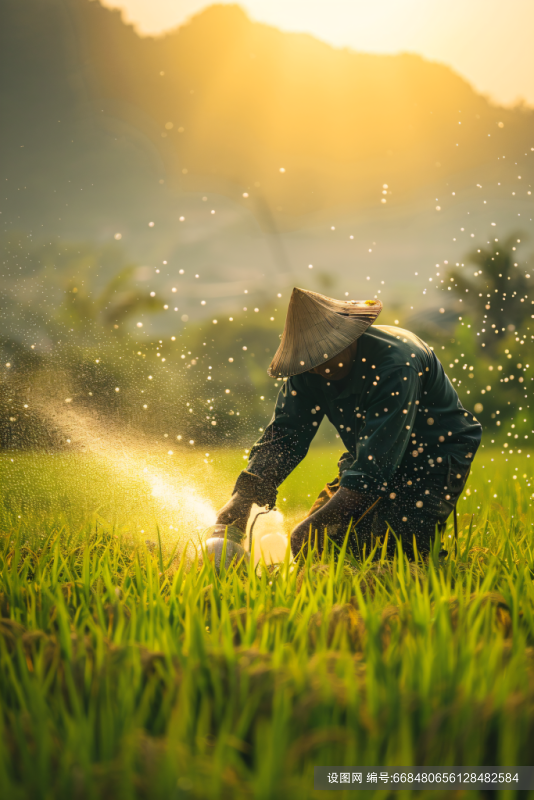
[489,42]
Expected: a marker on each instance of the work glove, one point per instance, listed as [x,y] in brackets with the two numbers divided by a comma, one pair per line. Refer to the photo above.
[260,489]
[333,518]
[236,511]
[249,489]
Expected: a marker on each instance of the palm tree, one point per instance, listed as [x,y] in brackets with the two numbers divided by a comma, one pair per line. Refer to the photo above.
[495,295]
[112,308]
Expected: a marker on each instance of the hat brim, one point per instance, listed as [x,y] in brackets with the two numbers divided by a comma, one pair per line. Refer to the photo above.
[317,329]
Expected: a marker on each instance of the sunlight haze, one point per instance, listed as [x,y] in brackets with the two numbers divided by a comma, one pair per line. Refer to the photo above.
[491,49]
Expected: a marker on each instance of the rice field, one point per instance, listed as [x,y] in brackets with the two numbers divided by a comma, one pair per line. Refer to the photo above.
[127,670]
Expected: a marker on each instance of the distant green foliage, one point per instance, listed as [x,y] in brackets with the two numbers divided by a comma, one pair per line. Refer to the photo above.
[53,289]
[68,330]
[497,293]
[495,383]
[488,357]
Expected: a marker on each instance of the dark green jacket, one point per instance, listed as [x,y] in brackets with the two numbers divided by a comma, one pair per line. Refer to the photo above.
[396,409]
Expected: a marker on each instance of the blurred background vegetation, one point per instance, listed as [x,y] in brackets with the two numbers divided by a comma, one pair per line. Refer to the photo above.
[208,382]
[162,195]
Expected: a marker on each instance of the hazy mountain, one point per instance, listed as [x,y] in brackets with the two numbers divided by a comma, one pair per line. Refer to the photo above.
[103,131]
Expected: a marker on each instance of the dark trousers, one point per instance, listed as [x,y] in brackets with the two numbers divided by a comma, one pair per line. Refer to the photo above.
[416,504]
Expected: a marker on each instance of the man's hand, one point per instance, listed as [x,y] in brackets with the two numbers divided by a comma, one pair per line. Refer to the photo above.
[335,516]
[236,511]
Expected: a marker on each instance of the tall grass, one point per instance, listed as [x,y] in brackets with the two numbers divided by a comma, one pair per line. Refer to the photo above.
[125,675]
[128,672]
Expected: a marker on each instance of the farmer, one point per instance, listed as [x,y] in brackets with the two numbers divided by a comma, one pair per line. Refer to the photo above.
[409,442]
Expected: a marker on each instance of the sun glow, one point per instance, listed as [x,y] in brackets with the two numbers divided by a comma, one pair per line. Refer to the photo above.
[463,35]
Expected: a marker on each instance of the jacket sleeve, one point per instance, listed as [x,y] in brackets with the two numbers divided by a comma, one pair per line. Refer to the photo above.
[286,439]
[390,411]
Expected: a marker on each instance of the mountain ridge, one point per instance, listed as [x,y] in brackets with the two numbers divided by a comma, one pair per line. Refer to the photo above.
[367,166]
[223,104]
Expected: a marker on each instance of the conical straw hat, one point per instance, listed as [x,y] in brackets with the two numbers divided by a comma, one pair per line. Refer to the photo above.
[317,329]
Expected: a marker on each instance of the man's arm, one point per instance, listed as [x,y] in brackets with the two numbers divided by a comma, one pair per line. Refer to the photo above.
[284,443]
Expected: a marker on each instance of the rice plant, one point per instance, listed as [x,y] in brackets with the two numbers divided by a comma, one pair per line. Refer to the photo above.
[130,671]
